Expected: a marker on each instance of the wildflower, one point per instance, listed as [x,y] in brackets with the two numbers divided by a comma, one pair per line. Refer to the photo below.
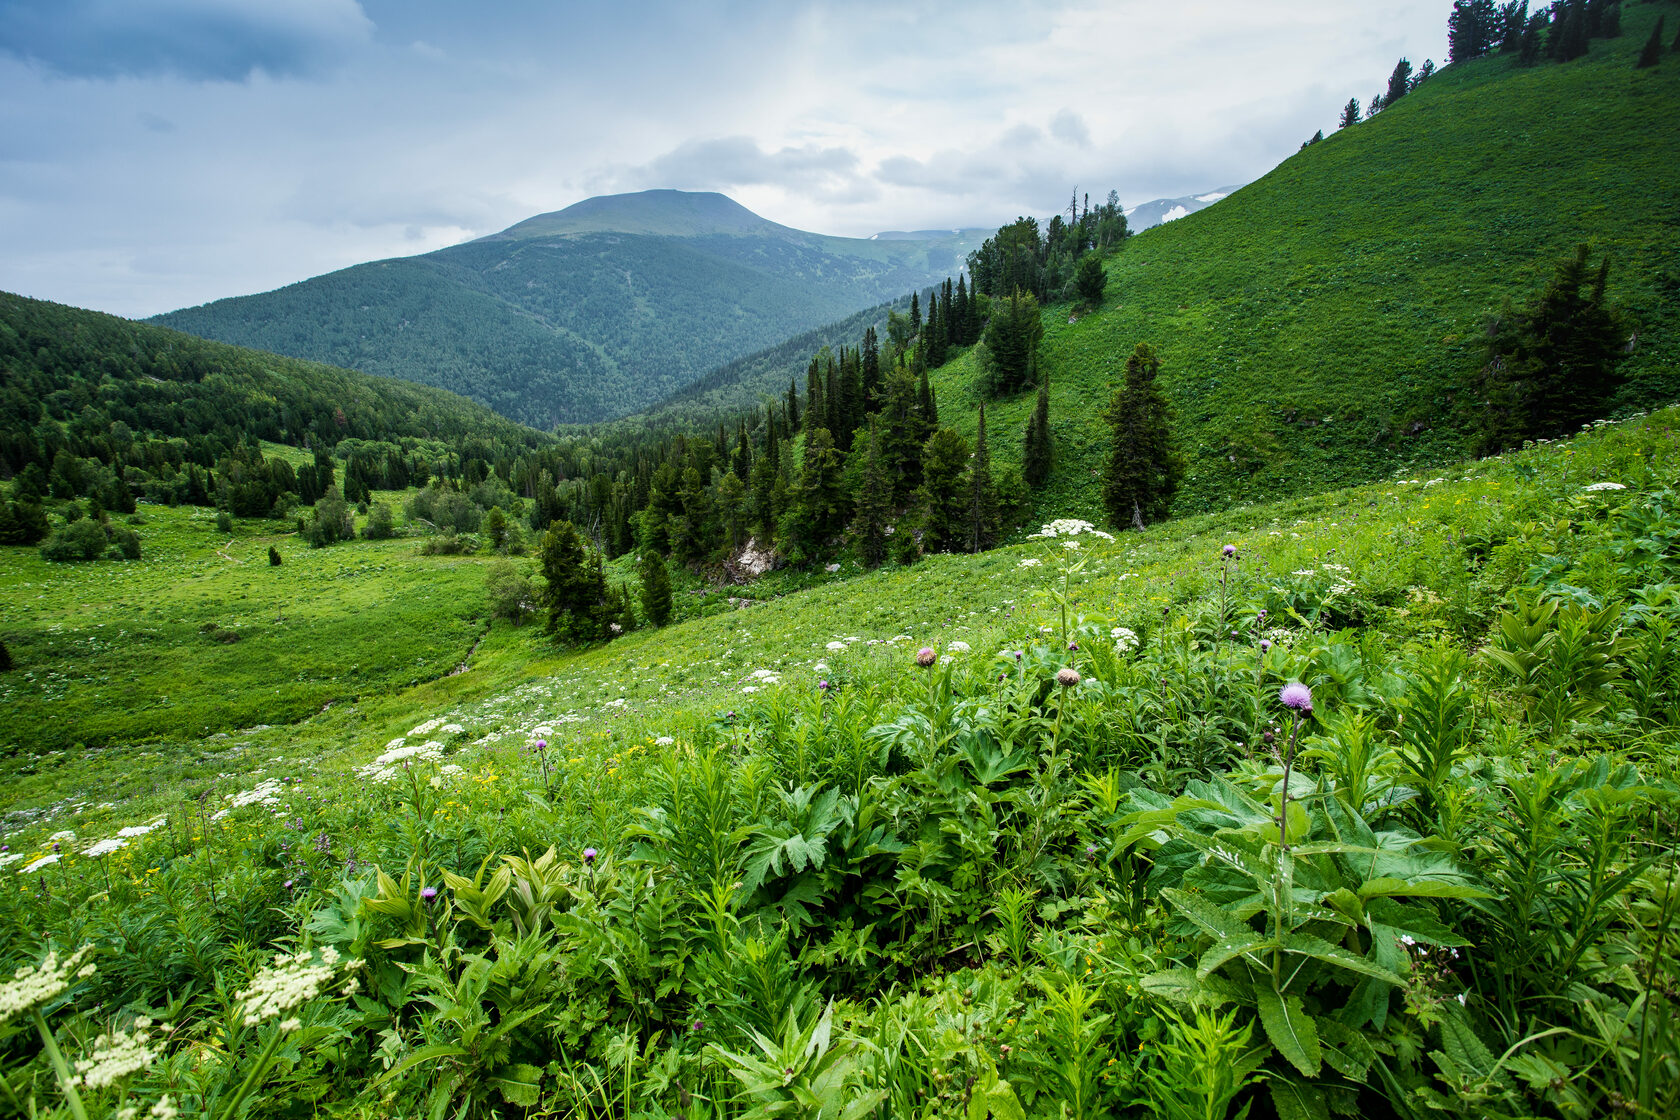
[164,1109]
[1297,696]
[958,647]
[428,893]
[1604,486]
[1090,851]
[1124,640]
[1067,676]
[114,1056]
[52,857]
[1071,546]
[663,741]
[1265,644]
[1073,647]
[1230,551]
[589,855]
[1029,562]
[823,685]
[835,646]
[925,657]
[33,985]
[290,982]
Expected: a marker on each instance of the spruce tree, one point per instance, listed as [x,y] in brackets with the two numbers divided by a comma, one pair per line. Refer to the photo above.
[1399,82]
[1089,279]
[5,658]
[656,588]
[1037,452]
[1552,364]
[1143,470]
[874,501]
[942,494]
[1350,113]
[1012,338]
[926,403]
[903,435]
[872,392]
[819,512]
[982,494]
[1651,54]
[915,315]
[273,557]
[575,588]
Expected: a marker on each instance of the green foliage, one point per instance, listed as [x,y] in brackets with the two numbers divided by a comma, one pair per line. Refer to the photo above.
[1089,280]
[656,588]
[1011,341]
[575,588]
[942,497]
[1143,466]
[80,540]
[1553,365]
[513,597]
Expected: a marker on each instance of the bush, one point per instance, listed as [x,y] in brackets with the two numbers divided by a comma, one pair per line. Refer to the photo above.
[513,596]
[381,524]
[273,557]
[331,523]
[81,540]
[127,543]
[224,521]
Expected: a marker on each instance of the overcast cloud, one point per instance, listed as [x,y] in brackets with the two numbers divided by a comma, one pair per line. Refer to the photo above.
[160,153]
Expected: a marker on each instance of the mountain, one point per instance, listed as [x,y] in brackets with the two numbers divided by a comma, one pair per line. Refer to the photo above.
[586,313]
[1148,215]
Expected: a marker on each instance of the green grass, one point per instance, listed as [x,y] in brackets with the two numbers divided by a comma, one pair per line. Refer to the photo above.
[1314,327]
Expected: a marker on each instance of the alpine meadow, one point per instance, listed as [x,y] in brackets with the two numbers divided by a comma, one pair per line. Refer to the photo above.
[673,666]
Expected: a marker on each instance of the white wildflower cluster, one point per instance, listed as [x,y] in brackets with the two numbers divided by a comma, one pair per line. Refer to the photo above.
[765,676]
[1071,527]
[663,741]
[9,858]
[115,1056]
[835,646]
[1030,562]
[164,1109]
[33,985]
[451,729]
[389,765]
[958,647]
[106,847]
[66,837]
[1125,641]
[446,773]
[1604,486]
[291,981]
[426,728]
[39,862]
[134,830]
[266,792]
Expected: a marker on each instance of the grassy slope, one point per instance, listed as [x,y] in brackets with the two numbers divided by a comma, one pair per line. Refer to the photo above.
[406,618]
[1310,322]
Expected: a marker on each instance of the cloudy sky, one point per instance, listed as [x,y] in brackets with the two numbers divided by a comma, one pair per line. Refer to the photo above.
[156,154]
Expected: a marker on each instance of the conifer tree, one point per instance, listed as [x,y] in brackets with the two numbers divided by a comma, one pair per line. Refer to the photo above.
[273,557]
[1373,106]
[926,404]
[872,391]
[575,590]
[874,501]
[792,407]
[1399,82]
[1552,364]
[854,405]
[1089,279]
[1350,113]
[942,493]
[962,318]
[1012,338]
[656,588]
[982,494]
[1651,54]
[732,510]
[934,336]
[1037,453]
[5,658]
[1143,470]
[915,315]
[1470,29]
[903,435]
[820,511]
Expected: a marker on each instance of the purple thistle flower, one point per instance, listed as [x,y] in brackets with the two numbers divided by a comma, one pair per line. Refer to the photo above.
[589,855]
[1297,696]
[925,657]
[542,744]
[1067,677]
[823,684]
[428,893]
[1230,551]
[1265,644]
[1073,647]
[1262,613]
[1090,851]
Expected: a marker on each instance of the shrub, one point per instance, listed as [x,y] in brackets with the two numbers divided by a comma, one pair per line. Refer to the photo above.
[381,524]
[81,540]
[224,521]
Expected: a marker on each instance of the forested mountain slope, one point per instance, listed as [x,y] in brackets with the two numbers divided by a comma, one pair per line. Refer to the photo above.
[585,314]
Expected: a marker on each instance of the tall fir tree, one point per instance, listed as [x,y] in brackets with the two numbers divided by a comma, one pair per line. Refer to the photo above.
[874,500]
[1350,113]
[982,494]
[872,388]
[819,512]
[1399,82]
[903,434]
[1037,452]
[915,315]
[575,588]
[1143,469]
[942,493]
[927,403]
[1652,52]
[656,588]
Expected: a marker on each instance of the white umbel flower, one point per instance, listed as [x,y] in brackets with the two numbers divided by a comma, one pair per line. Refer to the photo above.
[290,982]
[33,985]
[114,1056]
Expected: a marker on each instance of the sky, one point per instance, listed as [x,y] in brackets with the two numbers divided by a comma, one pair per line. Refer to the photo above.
[157,154]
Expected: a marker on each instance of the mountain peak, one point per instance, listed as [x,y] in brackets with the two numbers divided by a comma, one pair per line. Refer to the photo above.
[667,213]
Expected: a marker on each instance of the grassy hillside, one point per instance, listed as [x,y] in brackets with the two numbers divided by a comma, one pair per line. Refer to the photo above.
[585,314]
[1314,327]
[978,905]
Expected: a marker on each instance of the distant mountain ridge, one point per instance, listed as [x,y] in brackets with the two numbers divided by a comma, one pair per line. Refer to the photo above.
[586,313]
[1148,215]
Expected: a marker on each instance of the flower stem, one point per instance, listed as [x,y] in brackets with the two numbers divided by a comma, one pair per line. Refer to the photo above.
[258,1071]
[56,1056]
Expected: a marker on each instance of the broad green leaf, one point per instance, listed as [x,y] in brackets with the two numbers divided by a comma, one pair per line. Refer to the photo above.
[1207,917]
[1418,888]
[1307,945]
[1296,1101]
[1227,948]
[1290,1028]
[1347,1051]
[518,1084]
[1181,985]
[1416,922]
